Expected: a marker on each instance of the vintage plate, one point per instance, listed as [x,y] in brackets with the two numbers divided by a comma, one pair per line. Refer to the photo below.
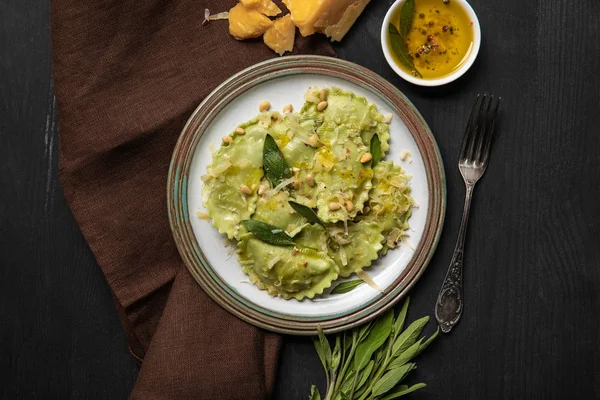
[214,266]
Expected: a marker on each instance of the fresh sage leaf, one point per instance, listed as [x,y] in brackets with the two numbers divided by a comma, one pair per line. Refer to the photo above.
[379,355]
[347,341]
[402,390]
[409,336]
[314,393]
[391,379]
[348,381]
[406,355]
[400,49]
[364,331]
[399,323]
[337,354]
[275,167]
[406,17]
[347,286]
[268,233]
[375,149]
[427,342]
[364,374]
[323,348]
[376,338]
[306,212]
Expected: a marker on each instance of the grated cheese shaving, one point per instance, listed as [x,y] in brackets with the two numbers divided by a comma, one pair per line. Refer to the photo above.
[273,261]
[283,184]
[312,95]
[368,280]
[343,256]
[214,17]
[409,244]
[219,169]
[202,215]
[206,178]
[406,156]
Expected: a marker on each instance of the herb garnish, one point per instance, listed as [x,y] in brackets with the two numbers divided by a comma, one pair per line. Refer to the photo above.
[347,286]
[276,169]
[406,17]
[375,149]
[267,233]
[398,37]
[370,361]
[306,212]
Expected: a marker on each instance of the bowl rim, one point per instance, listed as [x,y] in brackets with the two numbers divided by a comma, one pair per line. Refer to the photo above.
[445,79]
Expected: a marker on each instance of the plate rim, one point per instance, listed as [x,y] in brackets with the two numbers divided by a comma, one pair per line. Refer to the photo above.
[211,106]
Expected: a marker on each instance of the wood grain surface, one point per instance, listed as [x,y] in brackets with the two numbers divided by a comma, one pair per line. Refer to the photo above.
[532,263]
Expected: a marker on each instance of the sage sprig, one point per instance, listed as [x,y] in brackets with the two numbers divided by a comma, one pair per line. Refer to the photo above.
[375,149]
[371,361]
[268,233]
[306,212]
[347,286]
[275,167]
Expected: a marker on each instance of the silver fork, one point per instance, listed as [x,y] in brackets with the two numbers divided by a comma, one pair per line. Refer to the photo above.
[474,156]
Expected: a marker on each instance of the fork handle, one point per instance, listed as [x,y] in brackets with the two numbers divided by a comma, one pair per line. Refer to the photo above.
[449,305]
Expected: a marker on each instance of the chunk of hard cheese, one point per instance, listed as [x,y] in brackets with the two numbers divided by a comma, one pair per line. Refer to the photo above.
[280,37]
[338,31]
[266,7]
[246,23]
[312,16]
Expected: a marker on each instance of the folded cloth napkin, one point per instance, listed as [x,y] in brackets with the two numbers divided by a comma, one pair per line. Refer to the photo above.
[127,76]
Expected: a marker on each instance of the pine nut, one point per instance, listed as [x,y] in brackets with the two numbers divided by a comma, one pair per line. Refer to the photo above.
[263,189]
[322,105]
[227,139]
[246,190]
[387,118]
[334,206]
[264,106]
[313,140]
[240,131]
[323,95]
[310,180]
[296,184]
[349,206]
[288,108]
[365,158]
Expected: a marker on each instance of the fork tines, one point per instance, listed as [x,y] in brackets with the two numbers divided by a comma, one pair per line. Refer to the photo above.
[480,128]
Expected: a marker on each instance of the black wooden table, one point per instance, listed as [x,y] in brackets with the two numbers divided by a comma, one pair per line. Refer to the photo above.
[530,327]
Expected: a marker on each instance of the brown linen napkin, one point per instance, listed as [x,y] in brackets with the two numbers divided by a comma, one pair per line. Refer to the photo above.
[127,76]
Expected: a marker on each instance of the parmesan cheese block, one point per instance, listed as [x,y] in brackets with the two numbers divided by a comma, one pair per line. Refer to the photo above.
[332,17]
[337,31]
[266,7]
[246,23]
[280,37]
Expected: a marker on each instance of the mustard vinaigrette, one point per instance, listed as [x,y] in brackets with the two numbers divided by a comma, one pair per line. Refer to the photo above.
[440,39]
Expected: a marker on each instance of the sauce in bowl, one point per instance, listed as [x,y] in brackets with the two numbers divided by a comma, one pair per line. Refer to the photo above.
[440,40]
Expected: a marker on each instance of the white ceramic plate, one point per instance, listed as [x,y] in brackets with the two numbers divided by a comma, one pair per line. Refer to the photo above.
[283,87]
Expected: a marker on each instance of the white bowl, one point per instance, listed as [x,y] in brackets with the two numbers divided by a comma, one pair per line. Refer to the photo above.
[385,45]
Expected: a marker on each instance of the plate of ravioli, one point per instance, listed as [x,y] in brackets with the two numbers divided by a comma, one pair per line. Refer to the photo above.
[306,191]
